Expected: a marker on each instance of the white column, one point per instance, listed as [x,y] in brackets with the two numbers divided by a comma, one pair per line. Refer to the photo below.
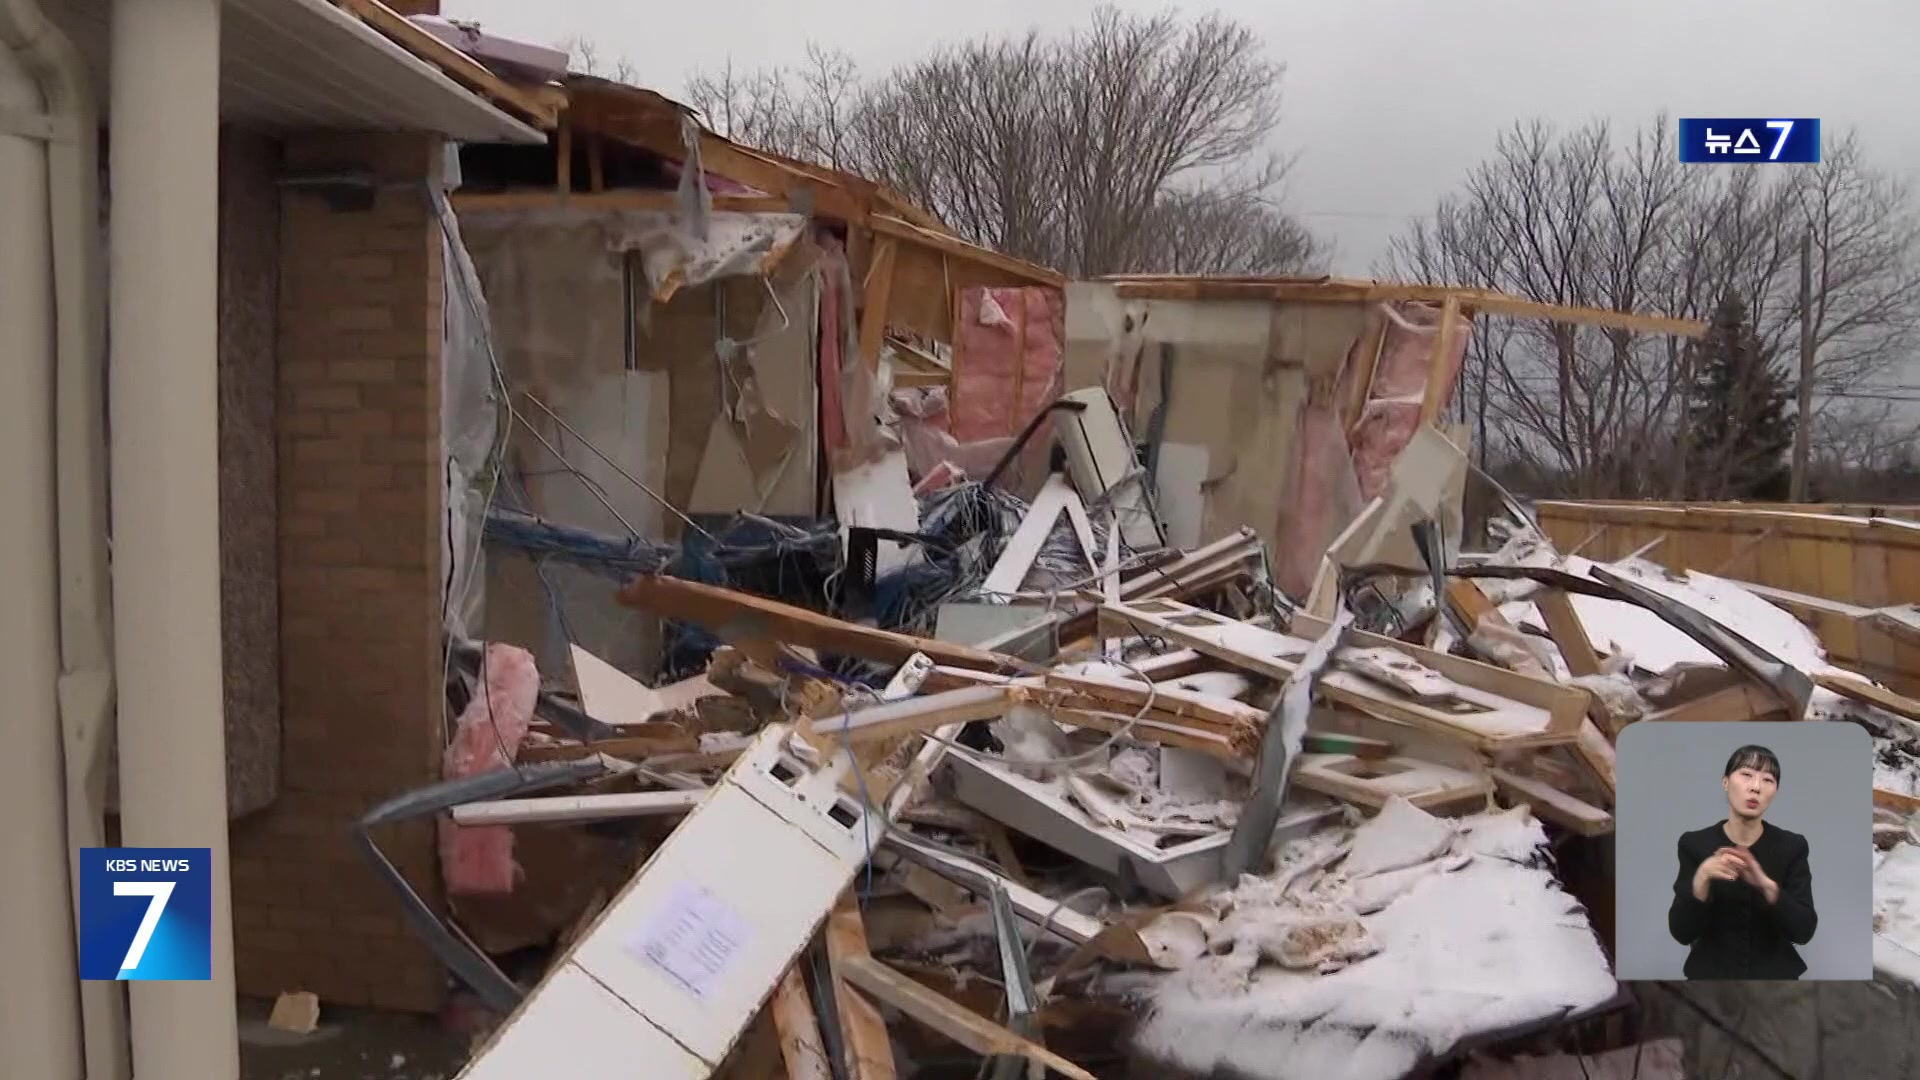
[40,1022]
[163,400]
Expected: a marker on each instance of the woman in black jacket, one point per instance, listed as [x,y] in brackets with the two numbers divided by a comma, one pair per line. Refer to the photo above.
[1744,895]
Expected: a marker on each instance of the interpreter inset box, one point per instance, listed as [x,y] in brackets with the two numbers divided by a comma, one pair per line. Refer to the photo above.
[1743,851]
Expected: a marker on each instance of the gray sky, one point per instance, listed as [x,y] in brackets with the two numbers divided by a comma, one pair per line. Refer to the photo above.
[1387,103]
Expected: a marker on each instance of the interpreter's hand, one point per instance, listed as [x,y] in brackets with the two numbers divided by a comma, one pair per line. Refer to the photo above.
[1722,865]
[1751,873]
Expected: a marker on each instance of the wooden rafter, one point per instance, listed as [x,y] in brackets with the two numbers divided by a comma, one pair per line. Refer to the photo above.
[624,199]
[461,68]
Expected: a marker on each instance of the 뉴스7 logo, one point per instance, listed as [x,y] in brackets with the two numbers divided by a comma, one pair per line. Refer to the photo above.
[158,893]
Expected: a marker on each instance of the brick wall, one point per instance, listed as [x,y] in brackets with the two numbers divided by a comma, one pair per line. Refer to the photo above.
[359,514]
[249,490]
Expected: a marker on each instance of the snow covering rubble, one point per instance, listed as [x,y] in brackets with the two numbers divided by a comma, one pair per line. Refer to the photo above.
[1648,656]
[1368,950]
[1068,825]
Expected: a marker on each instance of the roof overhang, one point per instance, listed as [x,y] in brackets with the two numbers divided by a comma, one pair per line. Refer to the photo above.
[293,65]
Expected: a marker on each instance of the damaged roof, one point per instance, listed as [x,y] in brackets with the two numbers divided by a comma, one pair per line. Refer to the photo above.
[1327,289]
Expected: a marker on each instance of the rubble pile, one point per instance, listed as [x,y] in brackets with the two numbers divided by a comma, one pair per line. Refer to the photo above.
[1133,804]
[1058,792]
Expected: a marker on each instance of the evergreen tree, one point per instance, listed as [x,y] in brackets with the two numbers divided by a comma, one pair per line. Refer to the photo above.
[1742,429]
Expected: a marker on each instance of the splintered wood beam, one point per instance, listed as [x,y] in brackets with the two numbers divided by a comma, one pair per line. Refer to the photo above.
[909,715]
[890,227]
[1898,802]
[862,1028]
[1472,604]
[736,615]
[793,1018]
[1176,702]
[1554,805]
[458,66]
[955,1021]
[876,297]
[1568,632]
[632,742]
[1868,694]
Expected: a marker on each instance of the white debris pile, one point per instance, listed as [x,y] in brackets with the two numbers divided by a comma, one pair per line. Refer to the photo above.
[1371,949]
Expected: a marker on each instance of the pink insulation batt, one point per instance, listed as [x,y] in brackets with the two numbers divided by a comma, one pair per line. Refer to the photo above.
[488,734]
[1392,411]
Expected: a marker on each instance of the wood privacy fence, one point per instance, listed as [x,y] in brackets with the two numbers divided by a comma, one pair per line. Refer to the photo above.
[1850,572]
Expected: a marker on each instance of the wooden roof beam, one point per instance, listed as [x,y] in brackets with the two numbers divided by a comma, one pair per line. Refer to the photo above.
[460,67]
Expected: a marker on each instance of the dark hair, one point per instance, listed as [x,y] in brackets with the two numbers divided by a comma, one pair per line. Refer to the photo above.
[1757,758]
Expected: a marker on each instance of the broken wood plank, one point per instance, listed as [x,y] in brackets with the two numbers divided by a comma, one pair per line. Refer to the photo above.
[1403,673]
[1470,602]
[1001,845]
[1568,632]
[1175,664]
[1555,806]
[1743,701]
[801,1047]
[1898,802]
[1172,701]
[457,65]
[1867,693]
[1595,751]
[635,741]
[578,808]
[927,712]
[962,1025]
[1038,910]
[731,614]
[1494,708]
[1081,712]
[863,1030]
[1373,782]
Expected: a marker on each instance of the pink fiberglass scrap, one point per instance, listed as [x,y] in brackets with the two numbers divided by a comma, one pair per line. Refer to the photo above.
[1392,411]
[479,859]
[1322,498]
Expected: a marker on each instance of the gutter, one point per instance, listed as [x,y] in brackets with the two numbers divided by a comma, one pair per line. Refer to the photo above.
[84,685]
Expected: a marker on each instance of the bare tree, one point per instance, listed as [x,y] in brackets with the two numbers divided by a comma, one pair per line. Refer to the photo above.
[585,58]
[1582,218]
[1134,144]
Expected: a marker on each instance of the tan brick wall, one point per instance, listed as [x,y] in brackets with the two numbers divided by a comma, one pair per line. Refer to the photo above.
[359,513]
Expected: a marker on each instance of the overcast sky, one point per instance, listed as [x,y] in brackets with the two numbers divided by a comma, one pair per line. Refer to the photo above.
[1386,103]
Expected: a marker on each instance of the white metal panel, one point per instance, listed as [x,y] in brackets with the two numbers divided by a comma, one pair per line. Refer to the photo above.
[585,1032]
[700,936]
[1101,458]
[761,872]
